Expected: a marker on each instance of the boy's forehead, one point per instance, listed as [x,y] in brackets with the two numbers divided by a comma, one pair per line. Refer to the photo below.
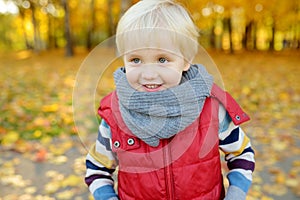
[154,39]
[134,44]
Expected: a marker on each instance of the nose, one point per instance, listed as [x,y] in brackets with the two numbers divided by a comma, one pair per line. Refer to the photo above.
[149,72]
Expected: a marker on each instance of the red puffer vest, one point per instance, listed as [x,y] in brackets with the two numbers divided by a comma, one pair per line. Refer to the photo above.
[184,167]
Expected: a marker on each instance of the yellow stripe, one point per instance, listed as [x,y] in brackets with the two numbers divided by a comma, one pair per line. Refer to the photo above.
[102,159]
[241,149]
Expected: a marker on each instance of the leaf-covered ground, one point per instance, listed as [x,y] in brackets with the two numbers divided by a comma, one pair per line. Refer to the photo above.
[43,158]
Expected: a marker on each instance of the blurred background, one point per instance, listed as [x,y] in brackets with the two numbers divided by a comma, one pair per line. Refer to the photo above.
[254,44]
[228,25]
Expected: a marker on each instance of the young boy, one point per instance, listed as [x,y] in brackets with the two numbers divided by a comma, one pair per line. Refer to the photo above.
[167,120]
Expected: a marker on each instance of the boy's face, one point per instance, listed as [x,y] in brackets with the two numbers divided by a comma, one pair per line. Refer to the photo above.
[151,70]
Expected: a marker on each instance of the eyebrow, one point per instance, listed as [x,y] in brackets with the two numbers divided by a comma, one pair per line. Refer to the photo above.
[131,55]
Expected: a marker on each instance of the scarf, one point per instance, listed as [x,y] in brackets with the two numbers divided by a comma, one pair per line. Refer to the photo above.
[152,116]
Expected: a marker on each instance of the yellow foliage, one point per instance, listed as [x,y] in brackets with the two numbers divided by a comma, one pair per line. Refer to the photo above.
[37,134]
[10,138]
[50,108]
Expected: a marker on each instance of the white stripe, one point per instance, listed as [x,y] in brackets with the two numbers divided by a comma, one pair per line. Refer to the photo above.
[105,132]
[231,156]
[245,156]
[98,183]
[90,172]
[235,146]
[249,156]
[246,173]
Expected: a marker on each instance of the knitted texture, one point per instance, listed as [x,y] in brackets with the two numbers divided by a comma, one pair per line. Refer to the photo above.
[152,116]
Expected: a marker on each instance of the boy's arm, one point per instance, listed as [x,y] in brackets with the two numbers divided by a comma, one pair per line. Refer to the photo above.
[100,165]
[239,156]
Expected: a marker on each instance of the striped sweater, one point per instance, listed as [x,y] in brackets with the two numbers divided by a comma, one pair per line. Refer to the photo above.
[101,162]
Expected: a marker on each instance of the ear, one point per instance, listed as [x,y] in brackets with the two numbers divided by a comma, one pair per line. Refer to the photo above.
[187,66]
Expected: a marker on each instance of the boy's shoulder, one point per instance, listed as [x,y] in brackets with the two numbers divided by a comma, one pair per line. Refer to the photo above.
[236,113]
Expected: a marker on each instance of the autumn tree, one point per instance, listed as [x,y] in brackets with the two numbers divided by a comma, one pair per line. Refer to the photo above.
[68,36]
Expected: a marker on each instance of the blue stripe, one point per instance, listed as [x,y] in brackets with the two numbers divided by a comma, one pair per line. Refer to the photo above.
[90,165]
[233,137]
[104,141]
[223,126]
[247,150]
[104,193]
[239,180]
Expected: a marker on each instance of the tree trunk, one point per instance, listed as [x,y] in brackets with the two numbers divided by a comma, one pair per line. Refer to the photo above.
[69,46]
[272,42]
[51,33]
[22,14]
[110,21]
[91,26]
[250,36]
[36,39]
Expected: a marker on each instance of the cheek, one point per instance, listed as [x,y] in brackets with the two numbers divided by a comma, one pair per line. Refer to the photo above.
[132,76]
[176,80]
[172,77]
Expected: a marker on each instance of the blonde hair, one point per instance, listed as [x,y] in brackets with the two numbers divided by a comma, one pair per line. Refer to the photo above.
[148,20]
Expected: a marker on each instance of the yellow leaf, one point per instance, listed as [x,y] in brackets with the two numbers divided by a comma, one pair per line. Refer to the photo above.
[246,90]
[10,138]
[52,187]
[292,182]
[280,178]
[72,181]
[37,134]
[46,140]
[30,190]
[279,145]
[50,108]
[266,198]
[296,163]
[51,174]
[58,160]
[65,195]
[284,96]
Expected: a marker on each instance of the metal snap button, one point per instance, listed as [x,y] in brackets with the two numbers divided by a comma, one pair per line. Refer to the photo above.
[237,117]
[117,144]
[130,141]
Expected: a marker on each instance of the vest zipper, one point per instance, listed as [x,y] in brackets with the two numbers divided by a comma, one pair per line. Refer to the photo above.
[168,171]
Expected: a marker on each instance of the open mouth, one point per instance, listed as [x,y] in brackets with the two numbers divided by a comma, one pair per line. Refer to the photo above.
[152,87]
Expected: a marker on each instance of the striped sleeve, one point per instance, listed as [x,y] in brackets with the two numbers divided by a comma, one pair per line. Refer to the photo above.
[100,165]
[238,153]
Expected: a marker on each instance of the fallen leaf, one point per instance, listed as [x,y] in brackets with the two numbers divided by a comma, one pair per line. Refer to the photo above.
[72,181]
[9,138]
[41,155]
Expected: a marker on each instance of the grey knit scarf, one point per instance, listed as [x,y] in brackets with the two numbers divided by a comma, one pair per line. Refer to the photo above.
[152,116]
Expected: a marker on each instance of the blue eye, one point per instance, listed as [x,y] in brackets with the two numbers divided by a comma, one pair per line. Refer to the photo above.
[136,60]
[162,60]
